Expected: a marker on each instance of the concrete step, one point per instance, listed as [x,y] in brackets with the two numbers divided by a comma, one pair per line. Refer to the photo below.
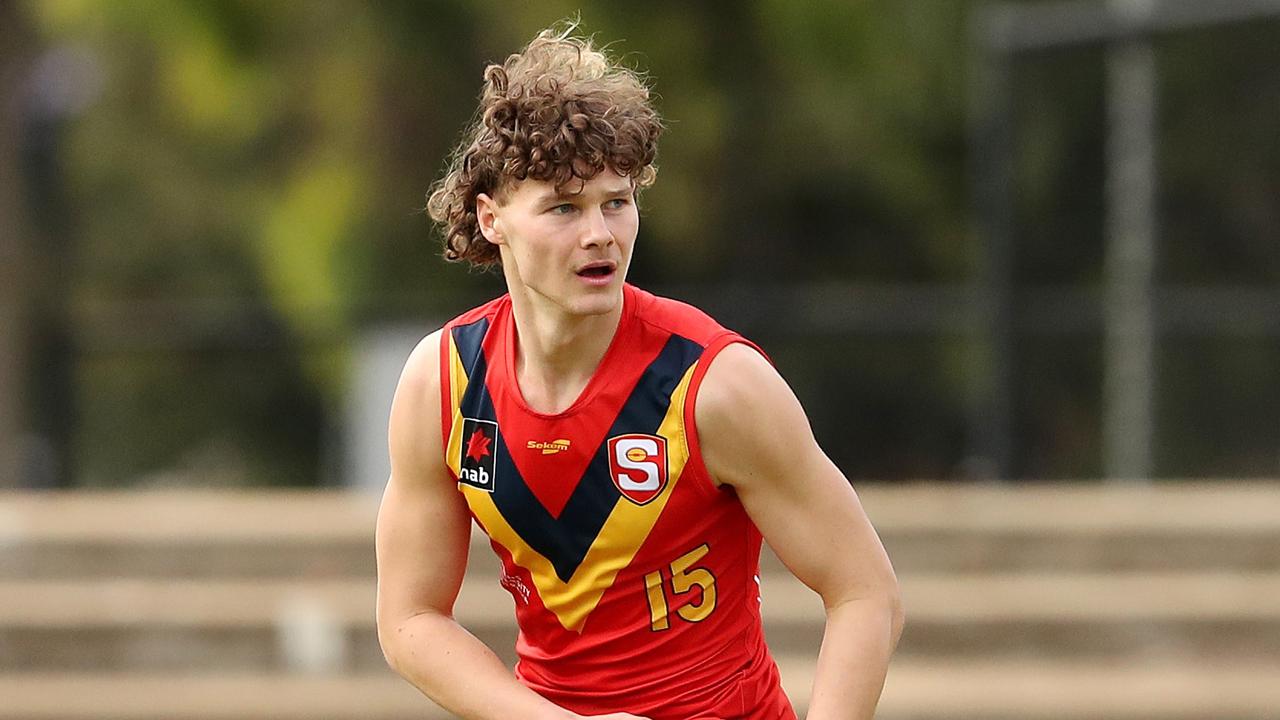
[1070,690]
[188,533]
[319,558]
[1103,616]
[1201,525]
[164,516]
[929,598]
[1190,507]
[270,625]
[919,551]
[911,552]
[915,690]
[214,625]
[1203,506]
[927,528]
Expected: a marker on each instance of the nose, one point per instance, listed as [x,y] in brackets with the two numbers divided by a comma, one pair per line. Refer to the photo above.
[596,230]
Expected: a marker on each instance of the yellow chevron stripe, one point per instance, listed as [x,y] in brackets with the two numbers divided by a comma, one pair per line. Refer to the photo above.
[457,386]
[626,528]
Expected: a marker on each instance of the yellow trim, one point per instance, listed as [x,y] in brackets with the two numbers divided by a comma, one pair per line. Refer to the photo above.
[457,387]
[626,528]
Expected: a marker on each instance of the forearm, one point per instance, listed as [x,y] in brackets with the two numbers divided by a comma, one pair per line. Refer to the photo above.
[459,672]
[859,639]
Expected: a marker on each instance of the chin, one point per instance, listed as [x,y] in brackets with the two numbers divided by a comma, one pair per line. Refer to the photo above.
[598,305]
[598,302]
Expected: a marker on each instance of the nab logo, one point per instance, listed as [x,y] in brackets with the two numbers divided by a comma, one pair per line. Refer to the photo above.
[479,442]
[638,466]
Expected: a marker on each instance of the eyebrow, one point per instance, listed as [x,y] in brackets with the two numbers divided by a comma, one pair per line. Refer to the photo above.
[553,196]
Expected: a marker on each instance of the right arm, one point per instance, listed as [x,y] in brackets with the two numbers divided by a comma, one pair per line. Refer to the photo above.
[422,539]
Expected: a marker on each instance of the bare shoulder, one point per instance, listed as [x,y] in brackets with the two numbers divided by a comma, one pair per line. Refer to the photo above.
[732,378]
[414,429]
[743,390]
[423,366]
[747,417]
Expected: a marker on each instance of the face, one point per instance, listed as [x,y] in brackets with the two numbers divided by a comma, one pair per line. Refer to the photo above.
[569,249]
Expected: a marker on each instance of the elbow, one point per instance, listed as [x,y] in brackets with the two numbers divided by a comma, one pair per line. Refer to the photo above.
[387,643]
[880,607]
[889,610]
[889,607]
[897,614]
[404,639]
[394,639]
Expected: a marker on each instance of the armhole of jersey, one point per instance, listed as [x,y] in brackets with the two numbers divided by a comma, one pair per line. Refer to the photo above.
[446,390]
[702,475]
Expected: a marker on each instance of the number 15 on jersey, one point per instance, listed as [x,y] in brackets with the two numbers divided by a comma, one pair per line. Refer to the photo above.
[684,579]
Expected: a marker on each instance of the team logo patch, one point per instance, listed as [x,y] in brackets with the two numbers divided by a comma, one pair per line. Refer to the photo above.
[638,466]
[479,443]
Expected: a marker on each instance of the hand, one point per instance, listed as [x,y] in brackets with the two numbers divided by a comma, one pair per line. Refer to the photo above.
[613,716]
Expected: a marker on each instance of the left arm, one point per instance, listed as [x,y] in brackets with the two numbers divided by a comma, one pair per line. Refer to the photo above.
[756,438]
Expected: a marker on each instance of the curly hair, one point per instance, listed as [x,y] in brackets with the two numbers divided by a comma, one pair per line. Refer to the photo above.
[557,111]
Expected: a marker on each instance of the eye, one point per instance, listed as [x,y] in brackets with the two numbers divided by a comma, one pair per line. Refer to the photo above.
[617,203]
[561,209]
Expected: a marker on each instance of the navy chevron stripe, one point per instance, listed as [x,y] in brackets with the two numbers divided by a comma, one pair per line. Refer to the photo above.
[469,340]
[564,541]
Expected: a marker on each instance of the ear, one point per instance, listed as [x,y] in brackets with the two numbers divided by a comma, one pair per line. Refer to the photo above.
[488,220]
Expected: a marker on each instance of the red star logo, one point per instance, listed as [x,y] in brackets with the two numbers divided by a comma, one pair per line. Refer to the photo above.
[478,445]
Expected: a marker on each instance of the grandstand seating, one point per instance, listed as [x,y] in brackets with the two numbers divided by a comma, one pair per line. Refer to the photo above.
[1041,602]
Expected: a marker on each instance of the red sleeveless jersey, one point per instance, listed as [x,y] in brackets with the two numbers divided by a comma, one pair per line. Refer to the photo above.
[635,579]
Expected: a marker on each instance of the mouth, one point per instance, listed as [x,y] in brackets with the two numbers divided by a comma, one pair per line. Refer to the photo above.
[598,272]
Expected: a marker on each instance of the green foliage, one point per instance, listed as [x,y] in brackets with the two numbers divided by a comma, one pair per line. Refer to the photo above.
[247,194]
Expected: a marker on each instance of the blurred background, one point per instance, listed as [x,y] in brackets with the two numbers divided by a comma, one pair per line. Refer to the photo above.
[987,243]
[213,215]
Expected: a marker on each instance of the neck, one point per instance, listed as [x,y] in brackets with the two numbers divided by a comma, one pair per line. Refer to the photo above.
[557,352]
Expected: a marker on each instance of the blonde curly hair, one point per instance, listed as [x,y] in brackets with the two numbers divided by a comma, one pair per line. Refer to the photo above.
[559,110]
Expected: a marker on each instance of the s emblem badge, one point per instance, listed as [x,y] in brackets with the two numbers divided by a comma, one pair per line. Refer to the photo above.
[638,466]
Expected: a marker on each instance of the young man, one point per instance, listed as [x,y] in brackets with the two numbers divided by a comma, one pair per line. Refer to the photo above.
[623,452]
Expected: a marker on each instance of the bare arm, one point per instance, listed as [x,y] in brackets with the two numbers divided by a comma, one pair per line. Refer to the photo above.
[756,438]
[422,540]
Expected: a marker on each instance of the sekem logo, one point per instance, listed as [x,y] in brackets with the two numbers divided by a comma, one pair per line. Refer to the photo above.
[549,448]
